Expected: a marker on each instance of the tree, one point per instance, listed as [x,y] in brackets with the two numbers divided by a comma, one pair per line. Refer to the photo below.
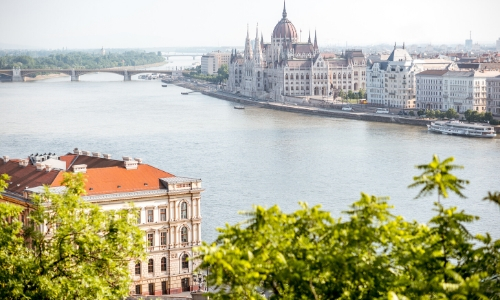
[83,253]
[372,254]
[452,114]
[362,94]
[411,113]
[222,73]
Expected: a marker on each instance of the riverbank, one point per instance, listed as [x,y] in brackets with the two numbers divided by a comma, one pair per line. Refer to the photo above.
[311,110]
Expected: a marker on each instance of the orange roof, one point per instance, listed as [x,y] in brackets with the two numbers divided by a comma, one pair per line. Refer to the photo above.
[118,179]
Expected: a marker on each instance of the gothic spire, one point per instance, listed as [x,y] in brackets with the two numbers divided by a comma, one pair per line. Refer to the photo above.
[315,40]
[258,47]
[309,40]
[248,47]
[284,10]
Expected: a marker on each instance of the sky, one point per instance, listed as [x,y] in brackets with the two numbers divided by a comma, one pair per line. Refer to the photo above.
[91,24]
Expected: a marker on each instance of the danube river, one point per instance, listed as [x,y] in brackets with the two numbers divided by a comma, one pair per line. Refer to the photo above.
[244,157]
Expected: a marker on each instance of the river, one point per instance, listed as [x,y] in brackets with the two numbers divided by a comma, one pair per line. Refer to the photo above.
[244,157]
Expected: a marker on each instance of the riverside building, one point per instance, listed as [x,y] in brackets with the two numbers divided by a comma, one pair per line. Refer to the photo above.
[493,97]
[392,82]
[287,68]
[211,62]
[169,208]
[460,90]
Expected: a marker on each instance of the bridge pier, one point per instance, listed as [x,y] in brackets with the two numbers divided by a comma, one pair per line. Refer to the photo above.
[16,75]
[74,76]
[126,76]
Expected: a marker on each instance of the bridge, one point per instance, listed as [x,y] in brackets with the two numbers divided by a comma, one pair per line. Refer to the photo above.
[193,55]
[19,75]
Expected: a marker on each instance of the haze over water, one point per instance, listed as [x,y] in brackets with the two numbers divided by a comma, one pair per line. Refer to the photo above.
[244,157]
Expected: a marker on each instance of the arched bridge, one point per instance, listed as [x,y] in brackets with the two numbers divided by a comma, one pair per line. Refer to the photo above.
[20,74]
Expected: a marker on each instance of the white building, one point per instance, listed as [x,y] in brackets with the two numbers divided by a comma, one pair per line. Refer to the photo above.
[493,98]
[287,68]
[391,82]
[211,62]
[498,45]
[170,210]
[460,90]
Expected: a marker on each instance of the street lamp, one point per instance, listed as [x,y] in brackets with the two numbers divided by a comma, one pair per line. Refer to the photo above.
[200,279]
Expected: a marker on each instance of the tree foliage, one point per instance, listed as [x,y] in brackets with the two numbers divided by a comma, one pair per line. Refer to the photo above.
[80,60]
[83,253]
[370,254]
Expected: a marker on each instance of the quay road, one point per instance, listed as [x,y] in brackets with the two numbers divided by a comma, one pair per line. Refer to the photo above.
[18,75]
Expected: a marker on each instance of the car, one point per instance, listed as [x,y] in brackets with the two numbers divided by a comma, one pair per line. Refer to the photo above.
[347,108]
[402,113]
[382,111]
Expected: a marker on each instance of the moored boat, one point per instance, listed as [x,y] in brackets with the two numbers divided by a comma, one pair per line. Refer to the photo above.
[164,85]
[184,93]
[462,129]
[239,107]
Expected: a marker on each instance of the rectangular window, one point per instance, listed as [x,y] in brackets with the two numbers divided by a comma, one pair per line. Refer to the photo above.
[150,216]
[163,214]
[163,238]
[163,287]
[151,287]
[138,289]
[150,239]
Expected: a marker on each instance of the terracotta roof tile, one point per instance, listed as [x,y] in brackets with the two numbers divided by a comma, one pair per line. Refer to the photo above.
[22,177]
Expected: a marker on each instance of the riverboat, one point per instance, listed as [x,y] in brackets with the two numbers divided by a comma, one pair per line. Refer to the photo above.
[462,129]
[164,85]
[184,93]
[239,107]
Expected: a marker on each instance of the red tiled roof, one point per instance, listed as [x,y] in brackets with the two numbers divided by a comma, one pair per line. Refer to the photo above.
[23,177]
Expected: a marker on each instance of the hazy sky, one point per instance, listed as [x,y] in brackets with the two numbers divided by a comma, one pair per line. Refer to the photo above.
[166,23]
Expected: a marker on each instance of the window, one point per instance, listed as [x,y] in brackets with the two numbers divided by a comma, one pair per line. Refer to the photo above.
[164,287]
[138,289]
[307,76]
[184,210]
[150,266]
[163,238]
[150,215]
[151,239]
[151,288]
[184,235]
[185,262]
[163,214]
[163,263]
[138,268]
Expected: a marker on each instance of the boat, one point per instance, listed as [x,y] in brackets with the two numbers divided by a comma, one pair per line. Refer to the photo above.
[164,85]
[462,129]
[184,93]
[239,107]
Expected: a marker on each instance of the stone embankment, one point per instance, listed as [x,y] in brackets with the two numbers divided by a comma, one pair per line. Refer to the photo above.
[318,111]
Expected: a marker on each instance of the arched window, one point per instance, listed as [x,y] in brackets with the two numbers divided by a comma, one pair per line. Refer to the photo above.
[297,76]
[150,266]
[314,76]
[163,263]
[291,76]
[138,268]
[185,262]
[321,76]
[301,76]
[286,76]
[184,210]
[307,76]
[349,76]
[184,235]
[258,74]
[339,76]
[343,76]
[291,88]
[355,73]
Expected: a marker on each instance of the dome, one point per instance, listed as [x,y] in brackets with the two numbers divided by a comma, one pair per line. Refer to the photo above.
[285,28]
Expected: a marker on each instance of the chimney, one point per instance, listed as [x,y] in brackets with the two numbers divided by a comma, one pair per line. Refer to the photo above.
[127,158]
[87,153]
[5,159]
[96,154]
[40,166]
[138,160]
[76,151]
[23,162]
[106,156]
[130,164]
[80,168]
[48,167]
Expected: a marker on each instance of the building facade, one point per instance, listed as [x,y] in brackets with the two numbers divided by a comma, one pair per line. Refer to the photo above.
[287,67]
[211,62]
[170,211]
[392,82]
[493,97]
[460,90]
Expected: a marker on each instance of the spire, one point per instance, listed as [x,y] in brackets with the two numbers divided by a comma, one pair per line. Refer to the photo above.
[403,45]
[284,10]
[309,40]
[394,45]
[315,40]
[248,47]
[258,47]
[261,40]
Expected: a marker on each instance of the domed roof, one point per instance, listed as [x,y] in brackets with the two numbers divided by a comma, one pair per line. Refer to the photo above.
[284,28]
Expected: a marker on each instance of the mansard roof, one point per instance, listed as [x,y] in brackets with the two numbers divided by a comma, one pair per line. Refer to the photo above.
[399,55]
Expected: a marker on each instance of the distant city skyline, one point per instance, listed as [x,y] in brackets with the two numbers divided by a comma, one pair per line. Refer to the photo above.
[54,24]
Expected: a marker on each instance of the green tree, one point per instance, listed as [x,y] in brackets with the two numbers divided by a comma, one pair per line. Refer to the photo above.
[362,94]
[372,254]
[83,253]
[411,113]
[452,114]
[223,73]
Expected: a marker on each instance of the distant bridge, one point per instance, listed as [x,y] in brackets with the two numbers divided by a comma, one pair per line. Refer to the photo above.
[20,74]
[193,55]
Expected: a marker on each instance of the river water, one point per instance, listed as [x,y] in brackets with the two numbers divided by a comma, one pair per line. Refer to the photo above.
[244,157]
